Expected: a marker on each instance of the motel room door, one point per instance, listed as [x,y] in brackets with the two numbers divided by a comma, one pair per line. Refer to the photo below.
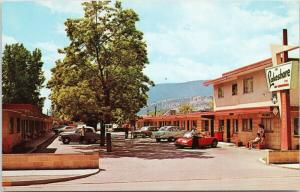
[228,130]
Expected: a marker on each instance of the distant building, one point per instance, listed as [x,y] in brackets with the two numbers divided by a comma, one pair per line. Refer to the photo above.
[22,123]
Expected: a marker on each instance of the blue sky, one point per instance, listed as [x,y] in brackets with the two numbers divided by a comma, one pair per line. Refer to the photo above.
[187,39]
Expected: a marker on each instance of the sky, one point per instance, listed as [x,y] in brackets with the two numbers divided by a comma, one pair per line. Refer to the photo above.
[186,39]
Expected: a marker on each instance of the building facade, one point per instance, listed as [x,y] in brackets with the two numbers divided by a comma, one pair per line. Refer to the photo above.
[22,123]
[242,101]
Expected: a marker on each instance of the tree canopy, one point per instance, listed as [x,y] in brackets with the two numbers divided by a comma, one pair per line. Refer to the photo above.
[101,74]
[22,75]
[185,108]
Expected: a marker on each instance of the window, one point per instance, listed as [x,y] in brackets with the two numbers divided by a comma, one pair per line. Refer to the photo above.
[11,125]
[247,124]
[220,92]
[206,125]
[234,89]
[267,122]
[296,126]
[248,85]
[235,125]
[18,125]
[221,125]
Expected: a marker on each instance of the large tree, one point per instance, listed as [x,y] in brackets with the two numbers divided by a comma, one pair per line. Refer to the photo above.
[101,76]
[22,75]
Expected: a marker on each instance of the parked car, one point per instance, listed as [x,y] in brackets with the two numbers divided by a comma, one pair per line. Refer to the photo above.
[90,135]
[65,129]
[171,133]
[203,141]
[145,131]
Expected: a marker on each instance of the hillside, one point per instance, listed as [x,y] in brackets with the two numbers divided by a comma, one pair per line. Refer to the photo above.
[171,95]
[178,90]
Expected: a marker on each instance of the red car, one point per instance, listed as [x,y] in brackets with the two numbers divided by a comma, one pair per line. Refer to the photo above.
[203,141]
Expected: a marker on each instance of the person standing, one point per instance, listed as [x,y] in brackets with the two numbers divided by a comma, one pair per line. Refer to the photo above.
[82,134]
[195,144]
[261,131]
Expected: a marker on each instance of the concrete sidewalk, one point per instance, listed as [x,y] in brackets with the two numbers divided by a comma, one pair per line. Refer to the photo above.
[285,165]
[33,177]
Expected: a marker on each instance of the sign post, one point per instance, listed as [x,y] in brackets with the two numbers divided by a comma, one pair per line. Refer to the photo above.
[286,140]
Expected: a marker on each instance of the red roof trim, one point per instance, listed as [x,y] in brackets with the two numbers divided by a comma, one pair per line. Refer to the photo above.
[255,110]
[239,70]
[244,110]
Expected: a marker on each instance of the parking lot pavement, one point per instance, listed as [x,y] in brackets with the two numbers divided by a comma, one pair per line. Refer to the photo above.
[143,164]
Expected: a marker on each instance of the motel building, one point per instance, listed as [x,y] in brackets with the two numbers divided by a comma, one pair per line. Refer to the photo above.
[22,123]
[243,99]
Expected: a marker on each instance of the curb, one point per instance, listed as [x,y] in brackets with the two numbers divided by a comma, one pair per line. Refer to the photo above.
[46,181]
[275,165]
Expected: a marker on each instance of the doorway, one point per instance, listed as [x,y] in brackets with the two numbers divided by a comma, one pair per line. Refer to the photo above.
[228,130]
[212,128]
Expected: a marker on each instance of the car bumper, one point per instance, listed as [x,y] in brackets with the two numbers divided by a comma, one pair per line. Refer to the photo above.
[182,145]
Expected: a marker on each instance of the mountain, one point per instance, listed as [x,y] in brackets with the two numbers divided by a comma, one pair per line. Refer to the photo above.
[171,95]
[167,91]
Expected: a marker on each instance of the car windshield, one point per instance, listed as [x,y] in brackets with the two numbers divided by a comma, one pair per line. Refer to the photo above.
[188,135]
[163,128]
[144,128]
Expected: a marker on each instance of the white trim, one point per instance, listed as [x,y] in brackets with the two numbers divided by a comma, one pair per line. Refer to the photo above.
[246,105]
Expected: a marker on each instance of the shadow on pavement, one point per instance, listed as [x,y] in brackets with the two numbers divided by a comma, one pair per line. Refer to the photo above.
[144,148]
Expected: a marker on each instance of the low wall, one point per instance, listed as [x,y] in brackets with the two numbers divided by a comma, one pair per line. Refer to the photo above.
[291,156]
[49,161]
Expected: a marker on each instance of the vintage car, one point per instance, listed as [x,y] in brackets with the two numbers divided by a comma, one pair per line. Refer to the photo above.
[65,129]
[90,135]
[145,131]
[170,133]
[202,141]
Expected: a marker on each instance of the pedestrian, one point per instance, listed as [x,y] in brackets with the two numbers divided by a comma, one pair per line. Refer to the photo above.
[195,143]
[254,141]
[82,134]
[261,131]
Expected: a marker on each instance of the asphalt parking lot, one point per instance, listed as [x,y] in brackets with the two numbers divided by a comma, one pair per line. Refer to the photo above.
[143,164]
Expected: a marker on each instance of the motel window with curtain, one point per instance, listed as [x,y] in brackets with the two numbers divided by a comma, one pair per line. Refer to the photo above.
[11,125]
[248,85]
[234,89]
[236,125]
[221,125]
[247,124]
[18,125]
[296,126]
[267,122]
[220,92]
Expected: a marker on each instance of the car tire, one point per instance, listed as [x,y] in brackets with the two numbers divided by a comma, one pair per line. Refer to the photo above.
[157,139]
[92,141]
[214,143]
[66,140]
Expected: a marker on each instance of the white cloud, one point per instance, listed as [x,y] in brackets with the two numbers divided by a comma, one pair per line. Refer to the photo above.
[217,36]
[181,69]
[66,6]
[49,50]
[8,40]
